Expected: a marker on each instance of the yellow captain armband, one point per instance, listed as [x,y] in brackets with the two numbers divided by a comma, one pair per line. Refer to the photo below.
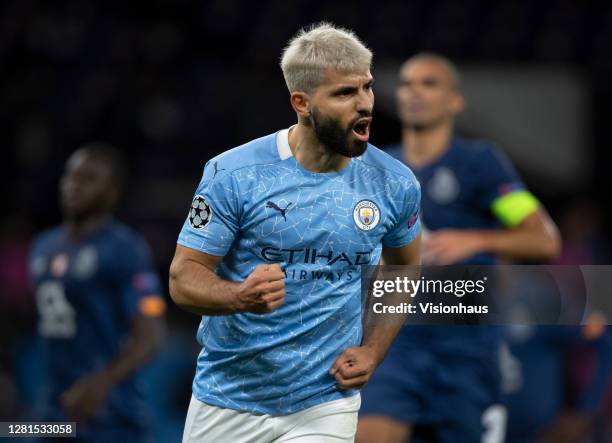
[514,207]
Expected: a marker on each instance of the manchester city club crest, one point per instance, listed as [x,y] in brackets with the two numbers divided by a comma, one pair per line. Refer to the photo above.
[366,215]
[200,213]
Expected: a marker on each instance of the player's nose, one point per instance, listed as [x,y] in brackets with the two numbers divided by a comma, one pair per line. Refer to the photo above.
[365,102]
[416,90]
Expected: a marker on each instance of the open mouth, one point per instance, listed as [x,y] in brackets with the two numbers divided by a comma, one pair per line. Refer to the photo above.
[361,128]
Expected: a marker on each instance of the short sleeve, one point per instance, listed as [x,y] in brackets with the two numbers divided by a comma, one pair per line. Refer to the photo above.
[212,221]
[502,192]
[408,224]
[140,284]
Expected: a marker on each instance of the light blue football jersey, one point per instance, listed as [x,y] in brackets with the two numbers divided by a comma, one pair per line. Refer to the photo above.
[256,204]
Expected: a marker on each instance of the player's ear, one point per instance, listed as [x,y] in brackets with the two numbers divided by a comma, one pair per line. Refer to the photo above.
[300,102]
[458,103]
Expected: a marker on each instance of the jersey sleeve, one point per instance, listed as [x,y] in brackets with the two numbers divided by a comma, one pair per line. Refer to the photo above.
[503,193]
[212,222]
[407,224]
[140,285]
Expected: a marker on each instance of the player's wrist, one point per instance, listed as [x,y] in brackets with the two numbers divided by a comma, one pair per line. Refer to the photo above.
[235,300]
[482,241]
[375,353]
[107,377]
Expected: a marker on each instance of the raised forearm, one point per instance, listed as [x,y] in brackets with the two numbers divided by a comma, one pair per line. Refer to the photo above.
[520,243]
[536,238]
[198,289]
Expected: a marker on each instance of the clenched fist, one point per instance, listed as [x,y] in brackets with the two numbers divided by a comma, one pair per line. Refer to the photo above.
[263,291]
[354,367]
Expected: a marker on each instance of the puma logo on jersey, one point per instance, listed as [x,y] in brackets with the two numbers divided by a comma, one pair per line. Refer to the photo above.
[282,211]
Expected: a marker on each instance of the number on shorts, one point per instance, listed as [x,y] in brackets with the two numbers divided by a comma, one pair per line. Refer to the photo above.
[57,316]
[494,421]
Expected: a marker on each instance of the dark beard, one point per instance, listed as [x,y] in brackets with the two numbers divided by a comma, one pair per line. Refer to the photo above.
[334,137]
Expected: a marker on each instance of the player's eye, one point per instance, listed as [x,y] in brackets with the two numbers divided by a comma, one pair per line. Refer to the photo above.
[430,82]
[344,92]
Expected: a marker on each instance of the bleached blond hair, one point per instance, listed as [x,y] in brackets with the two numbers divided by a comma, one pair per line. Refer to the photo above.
[318,47]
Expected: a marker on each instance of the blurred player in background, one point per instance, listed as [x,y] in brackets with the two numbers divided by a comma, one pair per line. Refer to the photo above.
[99,303]
[558,375]
[271,256]
[445,379]
[546,401]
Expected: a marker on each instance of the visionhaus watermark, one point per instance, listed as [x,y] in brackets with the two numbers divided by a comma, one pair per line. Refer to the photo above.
[501,295]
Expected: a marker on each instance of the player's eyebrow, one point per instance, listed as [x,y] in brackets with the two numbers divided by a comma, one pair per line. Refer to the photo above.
[427,80]
[351,89]
[344,90]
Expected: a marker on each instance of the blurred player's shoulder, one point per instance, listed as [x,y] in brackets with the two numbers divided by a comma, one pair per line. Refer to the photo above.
[126,238]
[48,238]
[386,163]
[485,162]
[395,150]
[113,233]
[260,151]
[476,149]
[122,232]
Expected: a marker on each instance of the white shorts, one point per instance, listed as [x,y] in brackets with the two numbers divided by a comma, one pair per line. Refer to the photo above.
[331,422]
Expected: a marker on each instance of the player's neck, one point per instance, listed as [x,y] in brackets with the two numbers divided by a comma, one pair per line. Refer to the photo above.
[311,154]
[422,146]
[79,227]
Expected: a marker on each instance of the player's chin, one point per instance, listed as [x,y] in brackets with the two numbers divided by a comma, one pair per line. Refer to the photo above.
[419,120]
[76,209]
[357,147]
[71,209]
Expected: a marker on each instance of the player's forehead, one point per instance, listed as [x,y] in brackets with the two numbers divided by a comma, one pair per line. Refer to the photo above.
[83,161]
[425,68]
[333,77]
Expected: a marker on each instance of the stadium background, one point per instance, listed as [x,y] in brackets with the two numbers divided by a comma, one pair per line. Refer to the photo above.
[173,82]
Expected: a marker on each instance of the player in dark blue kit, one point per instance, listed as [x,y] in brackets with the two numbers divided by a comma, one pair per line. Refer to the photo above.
[539,407]
[445,379]
[99,303]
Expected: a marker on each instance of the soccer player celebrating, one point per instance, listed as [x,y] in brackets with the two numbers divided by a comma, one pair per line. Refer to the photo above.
[446,378]
[99,303]
[271,256]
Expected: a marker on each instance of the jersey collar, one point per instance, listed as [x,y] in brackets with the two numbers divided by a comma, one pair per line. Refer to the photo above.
[282,144]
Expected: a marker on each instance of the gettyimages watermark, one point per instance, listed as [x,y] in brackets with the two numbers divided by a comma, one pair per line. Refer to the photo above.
[493,295]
